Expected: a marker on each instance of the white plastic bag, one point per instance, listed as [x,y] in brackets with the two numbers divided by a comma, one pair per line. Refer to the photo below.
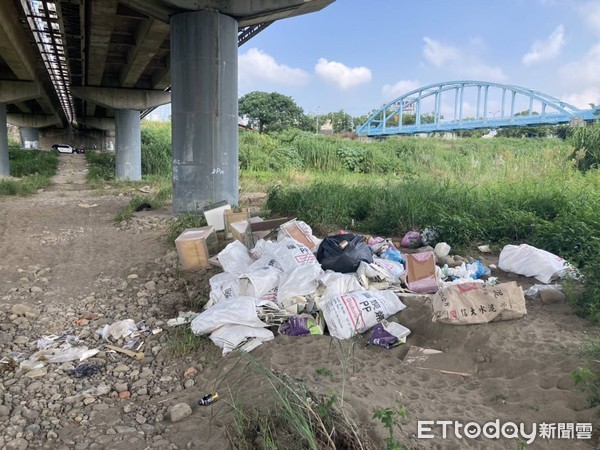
[235,258]
[262,284]
[239,310]
[333,284]
[223,286]
[394,269]
[347,315]
[534,291]
[441,249]
[533,262]
[118,330]
[230,337]
[290,254]
[297,285]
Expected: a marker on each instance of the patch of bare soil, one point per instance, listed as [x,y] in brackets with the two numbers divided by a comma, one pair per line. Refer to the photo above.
[68,270]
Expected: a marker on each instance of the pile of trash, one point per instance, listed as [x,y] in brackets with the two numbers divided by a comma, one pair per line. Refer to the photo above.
[349,284]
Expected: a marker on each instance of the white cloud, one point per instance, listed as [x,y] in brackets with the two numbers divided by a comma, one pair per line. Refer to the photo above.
[392,91]
[439,54]
[342,76]
[581,77]
[257,65]
[583,98]
[460,62]
[547,49]
[590,12]
[584,71]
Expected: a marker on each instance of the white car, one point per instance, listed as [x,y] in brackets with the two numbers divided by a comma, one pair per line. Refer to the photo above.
[63,148]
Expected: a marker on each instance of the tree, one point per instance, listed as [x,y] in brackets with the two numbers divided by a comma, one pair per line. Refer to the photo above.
[341,121]
[270,111]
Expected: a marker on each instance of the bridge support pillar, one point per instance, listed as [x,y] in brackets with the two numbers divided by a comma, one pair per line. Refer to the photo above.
[128,156]
[4,164]
[30,137]
[204,60]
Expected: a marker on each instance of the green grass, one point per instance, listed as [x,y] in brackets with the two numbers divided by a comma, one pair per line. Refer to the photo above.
[34,168]
[181,341]
[324,372]
[288,415]
[186,220]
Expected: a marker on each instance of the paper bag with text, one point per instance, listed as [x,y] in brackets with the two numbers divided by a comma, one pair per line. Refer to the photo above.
[471,303]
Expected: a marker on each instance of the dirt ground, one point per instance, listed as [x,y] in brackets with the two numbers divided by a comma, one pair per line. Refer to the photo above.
[516,371]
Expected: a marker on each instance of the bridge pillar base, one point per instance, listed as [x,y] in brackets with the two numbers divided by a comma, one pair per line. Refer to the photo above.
[30,137]
[204,60]
[4,164]
[128,156]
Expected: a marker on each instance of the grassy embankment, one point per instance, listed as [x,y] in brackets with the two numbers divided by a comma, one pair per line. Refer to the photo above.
[32,170]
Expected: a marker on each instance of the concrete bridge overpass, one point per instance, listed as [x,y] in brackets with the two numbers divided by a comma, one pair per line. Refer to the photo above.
[84,69]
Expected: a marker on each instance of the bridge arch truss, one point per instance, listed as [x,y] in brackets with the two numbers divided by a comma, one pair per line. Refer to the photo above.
[468,105]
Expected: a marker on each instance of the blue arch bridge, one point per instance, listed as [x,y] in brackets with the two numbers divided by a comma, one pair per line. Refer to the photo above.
[469,105]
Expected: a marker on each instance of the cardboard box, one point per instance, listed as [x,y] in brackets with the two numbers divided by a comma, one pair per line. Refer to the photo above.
[214,214]
[293,230]
[230,216]
[243,232]
[420,272]
[195,246]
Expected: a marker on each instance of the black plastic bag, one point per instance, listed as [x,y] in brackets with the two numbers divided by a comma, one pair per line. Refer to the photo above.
[344,252]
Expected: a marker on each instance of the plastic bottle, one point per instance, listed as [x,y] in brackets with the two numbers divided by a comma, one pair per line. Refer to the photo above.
[208,399]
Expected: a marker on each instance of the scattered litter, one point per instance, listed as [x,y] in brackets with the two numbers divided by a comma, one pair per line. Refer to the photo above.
[344,253]
[471,303]
[300,232]
[195,246]
[484,249]
[214,214]
[7,364]
[232,336]
[419,354]
[435,360]
[85,370]
[297,287]
[533,262]
[118,330]
[358,311]
[208,399]
[190,372]
[182,318]
[64,353]
[96,391]
[235,258]
[302,325]
[421,272]
[441,249]
[548,293]
[412,239]
[235,311]
[87,205]
[146,190]
[137,355]
[29,365]
[46,341]
[388,334]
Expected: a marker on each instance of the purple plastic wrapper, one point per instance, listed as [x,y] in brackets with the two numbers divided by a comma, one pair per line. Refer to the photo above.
[381,337]
[295,326]
[412,239]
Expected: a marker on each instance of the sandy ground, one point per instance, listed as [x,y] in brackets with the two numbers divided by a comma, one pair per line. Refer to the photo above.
[519,370]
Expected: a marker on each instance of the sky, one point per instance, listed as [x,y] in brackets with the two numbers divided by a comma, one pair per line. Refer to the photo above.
[356,55]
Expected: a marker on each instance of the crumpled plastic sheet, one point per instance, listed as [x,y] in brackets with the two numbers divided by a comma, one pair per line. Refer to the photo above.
[85,370]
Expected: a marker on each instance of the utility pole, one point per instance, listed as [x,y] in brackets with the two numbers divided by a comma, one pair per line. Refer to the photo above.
[317,132]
